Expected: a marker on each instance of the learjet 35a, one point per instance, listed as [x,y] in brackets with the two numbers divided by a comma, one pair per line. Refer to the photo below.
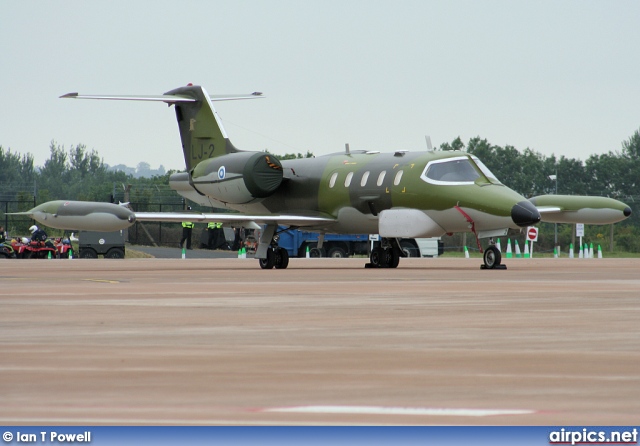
[397,195]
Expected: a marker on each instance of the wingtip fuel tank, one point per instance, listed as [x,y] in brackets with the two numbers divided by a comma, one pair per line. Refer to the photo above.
[581,209]
[82,215]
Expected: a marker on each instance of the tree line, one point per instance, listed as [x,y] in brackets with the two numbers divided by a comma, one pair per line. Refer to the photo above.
[81,174]
[614,174]
[73,174]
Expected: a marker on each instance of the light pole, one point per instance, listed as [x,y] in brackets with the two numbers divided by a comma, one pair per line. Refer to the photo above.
[555,229]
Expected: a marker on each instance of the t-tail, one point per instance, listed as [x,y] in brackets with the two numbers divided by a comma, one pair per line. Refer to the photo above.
[217,173]
[201,131]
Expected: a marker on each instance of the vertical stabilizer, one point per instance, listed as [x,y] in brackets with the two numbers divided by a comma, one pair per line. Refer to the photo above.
[201,130]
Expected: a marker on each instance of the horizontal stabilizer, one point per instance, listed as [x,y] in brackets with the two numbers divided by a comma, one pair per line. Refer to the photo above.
[167,98]
[234,97]
[170,99]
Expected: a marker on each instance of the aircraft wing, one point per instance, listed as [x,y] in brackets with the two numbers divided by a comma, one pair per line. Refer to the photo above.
[580,209]
[96,216]
[248,221]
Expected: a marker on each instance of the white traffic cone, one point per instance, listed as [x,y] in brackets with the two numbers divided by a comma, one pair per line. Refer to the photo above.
[599,252]
[526,250]
[498,246]
[466,253]
[571,250]
[518,253]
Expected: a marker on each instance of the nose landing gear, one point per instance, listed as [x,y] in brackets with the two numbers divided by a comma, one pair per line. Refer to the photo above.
[492,258]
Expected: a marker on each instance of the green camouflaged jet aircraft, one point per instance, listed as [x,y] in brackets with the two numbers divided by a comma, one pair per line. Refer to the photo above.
[397,195]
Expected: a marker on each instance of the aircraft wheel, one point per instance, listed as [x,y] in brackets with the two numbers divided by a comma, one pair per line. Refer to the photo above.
[393,258]
[270,261]
[492,257]
[376,257]
[282,258]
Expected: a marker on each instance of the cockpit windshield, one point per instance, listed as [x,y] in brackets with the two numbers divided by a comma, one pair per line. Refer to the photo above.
[485,170]
[456,171]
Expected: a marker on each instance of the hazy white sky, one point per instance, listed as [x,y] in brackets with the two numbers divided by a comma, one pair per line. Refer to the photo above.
[556,76]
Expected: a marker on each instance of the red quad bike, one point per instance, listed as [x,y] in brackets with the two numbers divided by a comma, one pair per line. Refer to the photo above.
[39,250]
[63,247]
[19,247]
[6,251]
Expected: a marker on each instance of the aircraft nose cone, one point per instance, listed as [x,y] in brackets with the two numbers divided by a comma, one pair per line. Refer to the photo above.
[525,214]
[627,211]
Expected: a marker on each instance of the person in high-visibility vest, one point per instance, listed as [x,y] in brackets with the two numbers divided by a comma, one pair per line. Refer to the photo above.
[187,228]
[215,232]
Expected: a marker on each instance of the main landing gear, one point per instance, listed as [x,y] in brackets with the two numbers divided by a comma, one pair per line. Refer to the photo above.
[269,254]
[386,254]
[276,257]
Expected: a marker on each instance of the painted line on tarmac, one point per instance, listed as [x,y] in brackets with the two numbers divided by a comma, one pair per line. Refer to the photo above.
[101,280]
[382,410]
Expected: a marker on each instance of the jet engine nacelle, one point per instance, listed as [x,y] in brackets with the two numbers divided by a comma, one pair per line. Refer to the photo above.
[238,178]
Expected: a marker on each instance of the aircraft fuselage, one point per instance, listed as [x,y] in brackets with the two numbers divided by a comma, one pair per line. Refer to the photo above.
[453,189]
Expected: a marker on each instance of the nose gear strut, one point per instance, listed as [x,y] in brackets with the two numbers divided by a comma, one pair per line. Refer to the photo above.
[490,256]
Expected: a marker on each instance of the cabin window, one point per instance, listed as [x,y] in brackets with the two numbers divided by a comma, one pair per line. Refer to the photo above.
[398,177]
[347,180]
[332,180]
[365,177]
[451,171]
[381,177]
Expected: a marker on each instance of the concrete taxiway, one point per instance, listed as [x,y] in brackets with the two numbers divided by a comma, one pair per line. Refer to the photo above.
[326,341]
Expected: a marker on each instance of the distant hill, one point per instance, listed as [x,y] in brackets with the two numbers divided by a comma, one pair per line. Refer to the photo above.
[143,170]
